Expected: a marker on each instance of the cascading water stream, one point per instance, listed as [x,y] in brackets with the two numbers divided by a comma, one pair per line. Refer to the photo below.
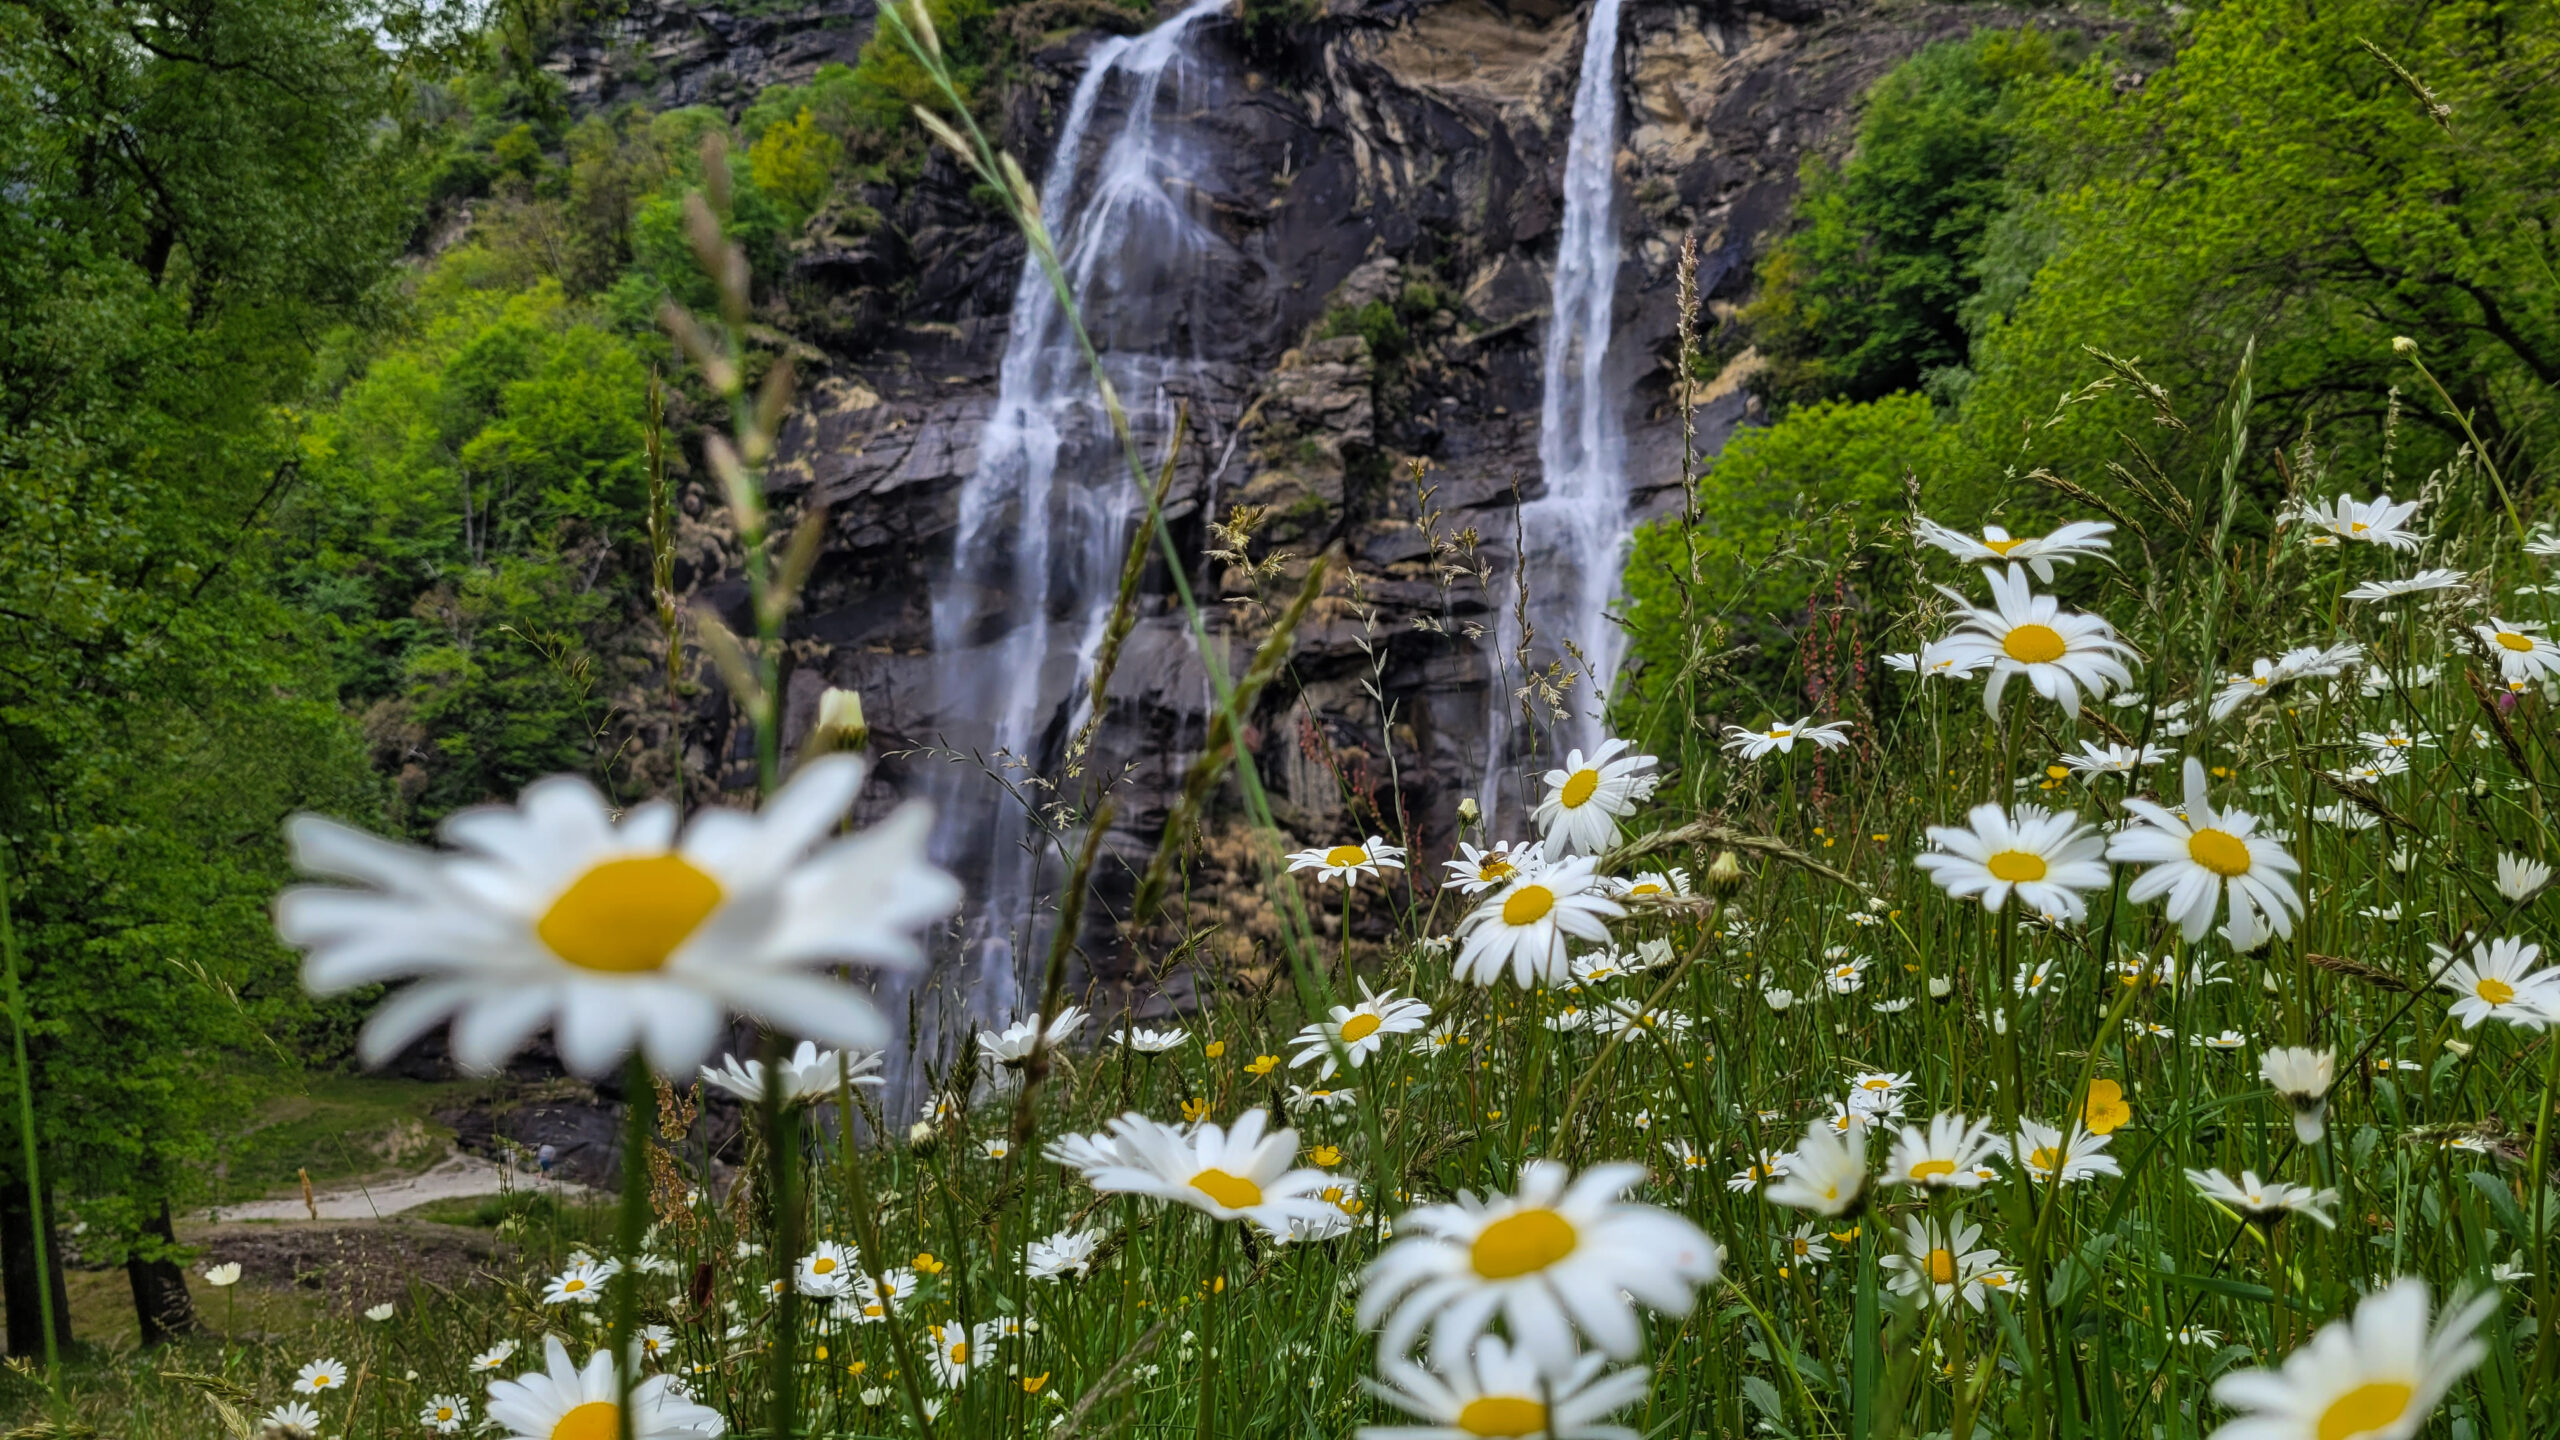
[1044,518]
[1573,537]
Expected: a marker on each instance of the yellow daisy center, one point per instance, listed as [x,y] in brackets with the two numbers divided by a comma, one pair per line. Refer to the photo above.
[1346,855]
[2357,527]
[2002,547]
[2365,1409]
[1929,1169]
[1802,1246]
[595,1420]
[1942,1267]
[1519,1243]
[1578,789]
[573,1286]
[1528,905]
[1233,1191]
[2043,1158]
[959,1352]
[1875,1085]
[444,1412]
[1645,887]
[2018,867]
[822,1266]
[2508,639]
[2219,851]
[1495,868]
[323,1381]
[627,916]
[2033,644]
[1508,1416]
[1359,1027]
[2496,992]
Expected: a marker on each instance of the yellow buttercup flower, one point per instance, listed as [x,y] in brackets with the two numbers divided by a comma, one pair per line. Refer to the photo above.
[2106,1109]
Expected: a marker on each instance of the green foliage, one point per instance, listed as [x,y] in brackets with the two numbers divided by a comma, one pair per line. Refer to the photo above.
[1866,295]
[1269,26]
[887,83]
[1781,513]
[2277,186]
[796,162]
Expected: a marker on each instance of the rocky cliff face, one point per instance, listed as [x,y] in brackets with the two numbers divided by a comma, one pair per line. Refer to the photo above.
[1402,156]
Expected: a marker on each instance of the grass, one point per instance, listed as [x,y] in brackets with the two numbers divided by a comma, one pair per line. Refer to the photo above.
[342,1129]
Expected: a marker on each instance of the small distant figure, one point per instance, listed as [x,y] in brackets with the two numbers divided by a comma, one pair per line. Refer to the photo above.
[544,1158]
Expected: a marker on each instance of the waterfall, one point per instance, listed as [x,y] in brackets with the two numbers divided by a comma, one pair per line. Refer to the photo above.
[1573,537]
[1044,518]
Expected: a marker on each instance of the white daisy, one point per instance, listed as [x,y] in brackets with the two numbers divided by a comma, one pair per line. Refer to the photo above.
[1149,1042]
[1937,1261]
[2197,852]
[2499,982]
[1846,977]
[1301,1099]
[827,1271]
[2264,1201]
[2301,1077]
[1011,1047]
[445,1414]
[547,912]
[1687,1157]
[1781,736]
[320,1376]
[2523,653]
[1586,798]
[1361,1029]
[953,1351]
[1476,871]
[1494,1391]
[566,1403]
[1934,661]
[1524,925]
[2227,1042]
[2050,859]
[1807,1246]
[2304,662]
[2376,1376]
[810,1075]
[581,1284]
[2520,877]
[2418,584]
[2040,552]
[1758,1171]
[1826,1173]
[1563,1253]
[873,1299]
[1950,1154]
[1653,884]
[1348,862]
[1232,1174]
[1069,1252]
[493,1357]
[2095,759]
[2043,1153]
[2060,652]
[2374,522]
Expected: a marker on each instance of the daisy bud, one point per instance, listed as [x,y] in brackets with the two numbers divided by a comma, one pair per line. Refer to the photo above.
[1469,812]
[840,724]
[2403,345]
[1726,871]
[1940,987]
[921,1137]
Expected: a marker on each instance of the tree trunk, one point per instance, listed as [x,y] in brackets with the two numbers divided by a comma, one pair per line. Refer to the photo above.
[160,1300]
[18,1274]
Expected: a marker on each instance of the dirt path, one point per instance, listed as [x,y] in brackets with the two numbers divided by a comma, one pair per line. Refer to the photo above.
[456,1177]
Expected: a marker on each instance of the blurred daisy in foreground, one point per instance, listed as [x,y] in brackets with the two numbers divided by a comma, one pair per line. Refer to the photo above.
[564,1402]
[1496,1391]
[2050,859]
[2064,545]
[1346,863]
[618,935]
[2499,982]
[1586,797]
[1476,871]
[1826,1173]
[1361,1030]
[2264,1202]
[1234,1174]
[1565,1252]
[2062,653]
[2373,522]
[810,1075]
[1523,927]
[2374,1376]
[1782,737]
[2196,853]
